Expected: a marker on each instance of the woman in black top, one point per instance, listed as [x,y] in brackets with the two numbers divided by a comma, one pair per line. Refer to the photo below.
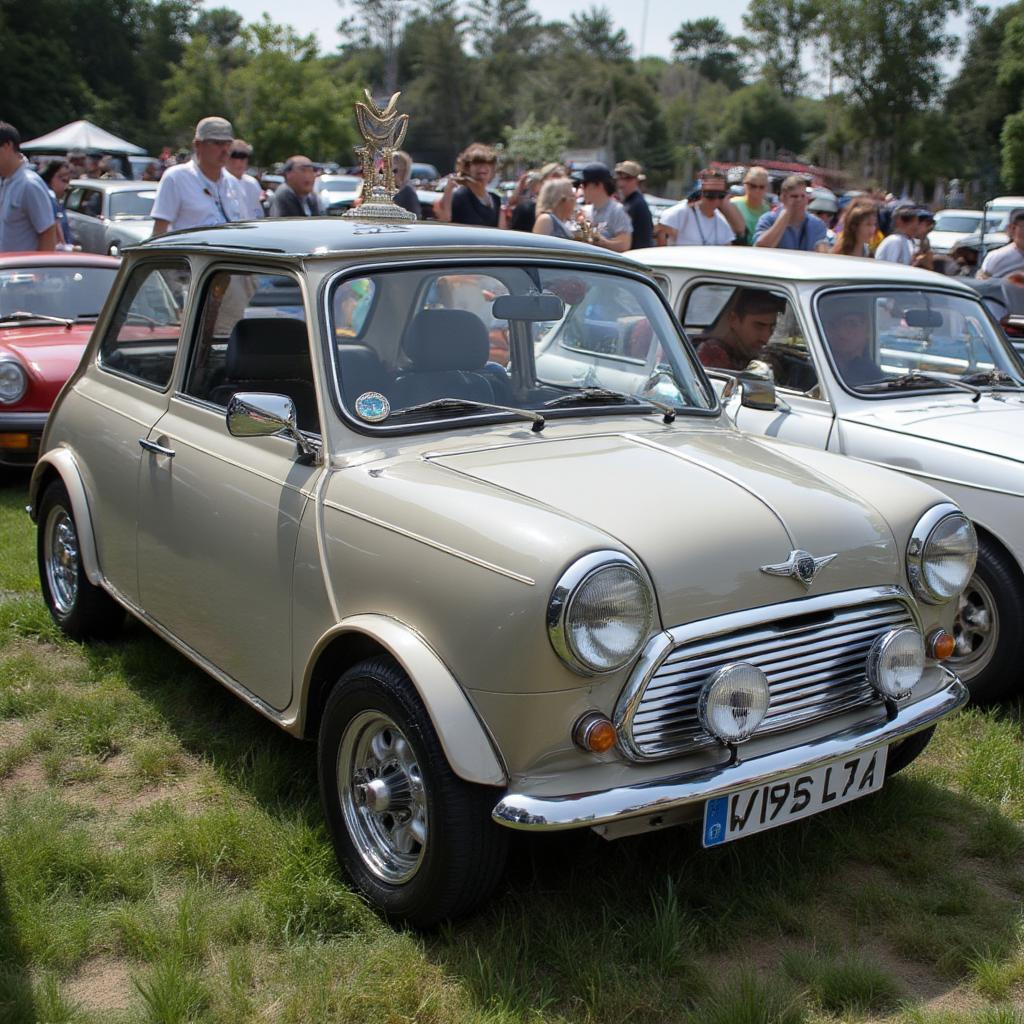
[472,202]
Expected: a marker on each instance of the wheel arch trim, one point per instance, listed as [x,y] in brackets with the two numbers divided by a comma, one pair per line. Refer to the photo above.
[467,745]
[61,462]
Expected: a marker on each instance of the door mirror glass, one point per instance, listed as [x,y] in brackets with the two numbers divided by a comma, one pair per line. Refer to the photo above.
[757,392]
[255,414]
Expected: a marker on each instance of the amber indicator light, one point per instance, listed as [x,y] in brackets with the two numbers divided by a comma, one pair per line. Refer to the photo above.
[595,733]
[941,645]
[20,441]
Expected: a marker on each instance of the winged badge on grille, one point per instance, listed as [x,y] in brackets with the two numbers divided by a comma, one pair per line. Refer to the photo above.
[801,565]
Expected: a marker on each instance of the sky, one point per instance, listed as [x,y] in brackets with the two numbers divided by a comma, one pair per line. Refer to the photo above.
[648,23]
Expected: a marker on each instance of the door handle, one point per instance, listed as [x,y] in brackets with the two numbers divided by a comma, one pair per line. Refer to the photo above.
[156,449]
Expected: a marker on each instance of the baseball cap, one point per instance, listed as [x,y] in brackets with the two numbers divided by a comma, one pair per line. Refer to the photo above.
[630,169]
[905,210]
[597,174]
[215,129]
[823,204]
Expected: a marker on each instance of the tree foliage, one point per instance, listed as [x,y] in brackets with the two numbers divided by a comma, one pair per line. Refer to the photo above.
[778,34]
[706,46]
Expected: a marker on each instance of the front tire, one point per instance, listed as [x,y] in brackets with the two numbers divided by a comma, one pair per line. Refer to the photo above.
[987,630]
[417,841]
[82,610]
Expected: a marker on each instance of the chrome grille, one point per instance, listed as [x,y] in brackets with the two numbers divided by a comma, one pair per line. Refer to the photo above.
[814,660]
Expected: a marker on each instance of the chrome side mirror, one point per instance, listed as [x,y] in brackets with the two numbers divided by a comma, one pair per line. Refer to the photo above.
[255,414]
[757,393]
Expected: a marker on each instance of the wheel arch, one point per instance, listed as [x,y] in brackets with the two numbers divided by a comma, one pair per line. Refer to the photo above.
[994,539]
[464,739]
[59,464]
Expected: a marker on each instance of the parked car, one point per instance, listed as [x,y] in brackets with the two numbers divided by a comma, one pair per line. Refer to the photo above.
[338,191]
[938,394]
[1005,301]
[423,174]
[48,306]
[498,598]
[108,215]
[951,227]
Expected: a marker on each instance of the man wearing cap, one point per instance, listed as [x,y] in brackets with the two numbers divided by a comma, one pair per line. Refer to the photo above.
[709,220]
[27,221]
[249,187]
[628,176]
[1008,259]
[825,208]
[900,247]
[614,228]
[201,192]
[296,198]
[789,227]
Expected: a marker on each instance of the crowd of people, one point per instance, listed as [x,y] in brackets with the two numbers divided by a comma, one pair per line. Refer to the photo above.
[212,184]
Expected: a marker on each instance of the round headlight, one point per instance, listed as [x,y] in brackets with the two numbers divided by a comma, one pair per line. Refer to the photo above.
[601,613]
[942,553]
[896,662]
[733,702]
[13,381]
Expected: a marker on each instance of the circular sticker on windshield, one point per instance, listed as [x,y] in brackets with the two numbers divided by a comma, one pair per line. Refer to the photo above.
[373,407]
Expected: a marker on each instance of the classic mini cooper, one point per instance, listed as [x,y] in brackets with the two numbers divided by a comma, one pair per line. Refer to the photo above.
[888,364]
[375,479]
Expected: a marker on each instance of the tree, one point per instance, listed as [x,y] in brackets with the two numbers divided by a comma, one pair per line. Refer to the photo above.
[380,22]
[705,45]
[594,32]
[535,144]
[777,32]
[759,112]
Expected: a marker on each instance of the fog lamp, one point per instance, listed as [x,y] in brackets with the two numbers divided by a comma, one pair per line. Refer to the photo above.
[941,645]
[594,732]
[733,702]
[896,662]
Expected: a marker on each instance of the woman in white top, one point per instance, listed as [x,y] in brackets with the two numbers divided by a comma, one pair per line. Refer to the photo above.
[555,207]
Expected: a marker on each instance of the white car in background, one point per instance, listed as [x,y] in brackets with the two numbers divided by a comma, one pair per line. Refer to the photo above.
[952,226]
[938,393]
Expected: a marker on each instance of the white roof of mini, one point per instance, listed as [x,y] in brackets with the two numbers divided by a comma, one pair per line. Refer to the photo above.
[788,265]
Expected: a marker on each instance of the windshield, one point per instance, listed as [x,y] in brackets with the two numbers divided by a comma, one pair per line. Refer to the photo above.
[965,222]
[880,339]
[131,204]
[555,340]
[68,292]
[336,183]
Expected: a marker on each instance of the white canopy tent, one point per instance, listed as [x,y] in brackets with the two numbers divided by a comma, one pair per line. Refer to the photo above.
[81,135]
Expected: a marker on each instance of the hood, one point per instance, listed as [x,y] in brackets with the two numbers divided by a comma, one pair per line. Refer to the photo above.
[994,426]
[702,511]
[50,352]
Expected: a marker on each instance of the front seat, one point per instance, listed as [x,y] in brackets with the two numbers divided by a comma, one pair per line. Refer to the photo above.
[447,350]
[271,355]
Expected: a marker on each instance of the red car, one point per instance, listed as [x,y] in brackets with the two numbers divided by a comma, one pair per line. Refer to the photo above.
[49,302]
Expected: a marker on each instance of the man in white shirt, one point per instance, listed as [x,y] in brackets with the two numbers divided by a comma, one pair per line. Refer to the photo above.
[1007,259]
[201,192]
[709,221]
[238,164]
[899,247]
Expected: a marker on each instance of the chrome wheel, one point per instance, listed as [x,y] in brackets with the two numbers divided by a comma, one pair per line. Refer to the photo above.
[60,557]
[383,798]
[976,629]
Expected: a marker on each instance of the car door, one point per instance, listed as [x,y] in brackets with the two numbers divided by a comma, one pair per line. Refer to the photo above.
[716,309]
[219,515]
[121,398]
[90,232]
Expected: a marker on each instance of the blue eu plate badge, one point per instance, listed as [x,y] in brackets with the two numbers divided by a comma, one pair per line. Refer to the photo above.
[373,407]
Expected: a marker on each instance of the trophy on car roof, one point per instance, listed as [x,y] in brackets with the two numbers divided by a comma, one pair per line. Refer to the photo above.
[383,130]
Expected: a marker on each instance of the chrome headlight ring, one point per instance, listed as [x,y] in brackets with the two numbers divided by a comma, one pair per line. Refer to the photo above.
[940,524]
[13,381]
[578,639]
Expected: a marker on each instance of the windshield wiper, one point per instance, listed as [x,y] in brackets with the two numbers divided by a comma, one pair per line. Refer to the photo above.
[600,394]
[914,376]
[456,404]
[991,377]
[21,316]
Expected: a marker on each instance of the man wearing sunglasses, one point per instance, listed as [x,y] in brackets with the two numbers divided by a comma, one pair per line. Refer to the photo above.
[789,227]
[238,164]
[710,220]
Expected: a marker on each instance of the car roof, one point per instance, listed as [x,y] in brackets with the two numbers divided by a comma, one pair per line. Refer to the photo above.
[333,236]
[116,184]
[787,265]
[957,210]
[10,260]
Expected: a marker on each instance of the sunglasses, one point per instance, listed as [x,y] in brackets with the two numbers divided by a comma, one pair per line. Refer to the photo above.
[239,156]
[713,195]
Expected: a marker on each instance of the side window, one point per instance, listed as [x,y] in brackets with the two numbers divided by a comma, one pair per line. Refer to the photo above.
[74,198]
[252,336]
[91,203]
[732,326]
[142,338]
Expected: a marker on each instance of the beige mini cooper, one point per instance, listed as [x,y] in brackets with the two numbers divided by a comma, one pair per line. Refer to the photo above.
[461,506]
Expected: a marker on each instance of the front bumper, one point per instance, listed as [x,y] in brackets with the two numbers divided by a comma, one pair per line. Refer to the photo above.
[20,434]
[582,810]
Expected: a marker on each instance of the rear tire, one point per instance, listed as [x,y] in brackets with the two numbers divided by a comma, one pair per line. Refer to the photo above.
[416,840]
[988,633]
[82,610]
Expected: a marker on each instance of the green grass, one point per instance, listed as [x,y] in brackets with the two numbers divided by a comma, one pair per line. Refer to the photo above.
[150,821]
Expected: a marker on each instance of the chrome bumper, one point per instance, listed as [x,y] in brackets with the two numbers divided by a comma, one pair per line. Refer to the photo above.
[581,810]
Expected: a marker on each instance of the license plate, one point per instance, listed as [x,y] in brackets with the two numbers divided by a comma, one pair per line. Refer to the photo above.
[758,808]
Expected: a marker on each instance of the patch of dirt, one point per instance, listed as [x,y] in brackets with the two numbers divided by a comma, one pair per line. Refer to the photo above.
[102,984]
[71,663]
[117,789]
[29,775]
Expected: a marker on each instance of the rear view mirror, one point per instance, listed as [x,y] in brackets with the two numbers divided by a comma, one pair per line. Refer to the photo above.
[538,308]
[757,392]
[923,318]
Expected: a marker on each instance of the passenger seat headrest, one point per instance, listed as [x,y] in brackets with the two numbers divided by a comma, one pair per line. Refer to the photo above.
[446,339]
[272,348]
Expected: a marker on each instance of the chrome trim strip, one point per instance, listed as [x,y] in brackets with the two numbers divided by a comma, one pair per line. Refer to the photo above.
[419,538]
[939,479]
[534,813]
[737,481]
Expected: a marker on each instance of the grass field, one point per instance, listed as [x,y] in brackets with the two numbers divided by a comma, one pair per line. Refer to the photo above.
[163,860]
